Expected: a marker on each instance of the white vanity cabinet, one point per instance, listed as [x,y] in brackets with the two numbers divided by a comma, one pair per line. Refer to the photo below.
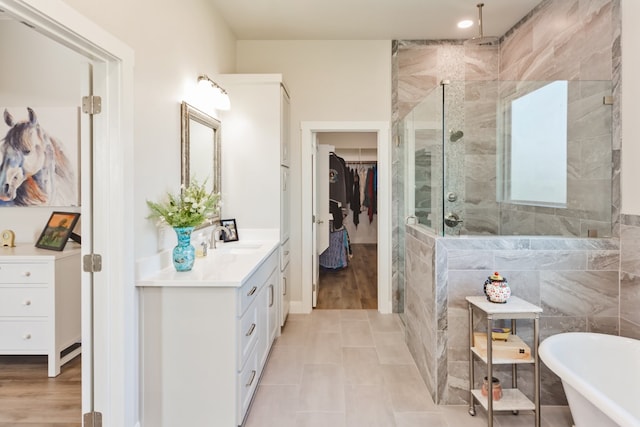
[40,303]
[206,336]
[256,155]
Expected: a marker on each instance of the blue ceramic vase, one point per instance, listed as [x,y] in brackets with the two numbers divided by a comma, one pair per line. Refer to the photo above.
[184,254]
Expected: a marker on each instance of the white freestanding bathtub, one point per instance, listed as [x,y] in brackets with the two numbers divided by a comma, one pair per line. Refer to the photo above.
[600,375]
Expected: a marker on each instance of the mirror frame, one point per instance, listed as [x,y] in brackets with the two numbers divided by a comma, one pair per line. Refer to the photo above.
[187,114]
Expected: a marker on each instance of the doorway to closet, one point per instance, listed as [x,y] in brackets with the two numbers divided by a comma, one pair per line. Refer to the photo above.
[348,273]
[313,220]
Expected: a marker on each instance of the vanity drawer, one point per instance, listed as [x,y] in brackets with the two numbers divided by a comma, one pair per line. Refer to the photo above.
[250,290]
[23,336]
[247,383]
[23,302]
[24,272]
[285,254]
[249,331]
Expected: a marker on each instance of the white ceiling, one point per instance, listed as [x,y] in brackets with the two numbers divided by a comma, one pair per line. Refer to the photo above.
[367,19]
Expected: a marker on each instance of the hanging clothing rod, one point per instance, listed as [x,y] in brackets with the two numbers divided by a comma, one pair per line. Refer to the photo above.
[361,162]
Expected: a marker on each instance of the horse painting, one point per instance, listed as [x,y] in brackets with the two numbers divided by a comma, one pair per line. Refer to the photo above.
[34,169]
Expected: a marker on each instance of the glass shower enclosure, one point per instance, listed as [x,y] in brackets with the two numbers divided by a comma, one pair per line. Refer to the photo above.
[510,158]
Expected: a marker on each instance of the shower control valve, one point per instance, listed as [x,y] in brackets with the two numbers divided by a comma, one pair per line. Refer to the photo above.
[451,219]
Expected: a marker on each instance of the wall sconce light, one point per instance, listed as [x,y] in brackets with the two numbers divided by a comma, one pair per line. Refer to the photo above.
[221,99]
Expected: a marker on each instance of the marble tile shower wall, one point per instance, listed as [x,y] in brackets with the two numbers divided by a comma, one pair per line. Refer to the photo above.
[575,281]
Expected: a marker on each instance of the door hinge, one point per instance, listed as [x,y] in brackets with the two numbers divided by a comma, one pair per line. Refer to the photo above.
[315,287]
[91,104]
[92,263]
[92,419]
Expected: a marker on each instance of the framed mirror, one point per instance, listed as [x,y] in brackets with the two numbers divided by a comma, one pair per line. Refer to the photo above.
[200,146]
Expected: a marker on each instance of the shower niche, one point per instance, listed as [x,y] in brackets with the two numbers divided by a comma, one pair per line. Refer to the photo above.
[511,158]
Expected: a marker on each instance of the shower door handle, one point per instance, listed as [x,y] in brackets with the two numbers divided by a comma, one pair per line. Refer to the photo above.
[451,219]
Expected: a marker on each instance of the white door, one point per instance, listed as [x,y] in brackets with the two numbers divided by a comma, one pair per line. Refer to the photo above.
[320,165]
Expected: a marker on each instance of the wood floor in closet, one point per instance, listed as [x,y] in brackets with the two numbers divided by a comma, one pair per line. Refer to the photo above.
[29,398]
[354,287]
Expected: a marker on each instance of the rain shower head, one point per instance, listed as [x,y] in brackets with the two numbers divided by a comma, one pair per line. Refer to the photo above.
[456,135]
[481,39]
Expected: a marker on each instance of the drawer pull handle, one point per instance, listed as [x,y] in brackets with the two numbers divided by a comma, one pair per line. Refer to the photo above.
[253,376]
[27,302]
[271,295]
[251,329]
[26,336]
[284,287]
[27,274]
[252,291]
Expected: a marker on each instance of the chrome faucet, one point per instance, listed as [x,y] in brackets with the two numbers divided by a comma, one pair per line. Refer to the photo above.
[214,233]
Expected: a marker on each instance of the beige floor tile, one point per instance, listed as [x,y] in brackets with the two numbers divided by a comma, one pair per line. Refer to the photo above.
[420,419]
[406,388]
[354,314]
[298,317]
[284,365]
[368,406]
[394,354]
[294,333]
[458,416]
[273,406]
[325,321]
[320,419]
[322,389]
[361,366]
[356,333]
[388,338]
[384,322]
[323,347]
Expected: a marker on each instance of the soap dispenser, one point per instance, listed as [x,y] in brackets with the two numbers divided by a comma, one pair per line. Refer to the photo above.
[201,245]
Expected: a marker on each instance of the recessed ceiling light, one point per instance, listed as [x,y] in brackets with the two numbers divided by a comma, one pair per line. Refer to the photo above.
[465,24]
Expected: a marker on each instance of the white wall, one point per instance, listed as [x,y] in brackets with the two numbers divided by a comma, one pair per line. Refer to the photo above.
[46,75]
[173,43]
[329,81]
[630,109]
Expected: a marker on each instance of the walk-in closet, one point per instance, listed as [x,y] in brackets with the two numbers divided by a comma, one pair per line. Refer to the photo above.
[348,268]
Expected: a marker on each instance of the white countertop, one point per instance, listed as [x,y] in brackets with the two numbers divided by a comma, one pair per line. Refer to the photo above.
[230,265]
[28,252]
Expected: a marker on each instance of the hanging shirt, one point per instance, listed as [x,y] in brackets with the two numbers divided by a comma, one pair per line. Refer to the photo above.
[337,179]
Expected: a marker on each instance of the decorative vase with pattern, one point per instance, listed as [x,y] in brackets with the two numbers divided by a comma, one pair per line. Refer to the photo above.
[184,254]
[497,289]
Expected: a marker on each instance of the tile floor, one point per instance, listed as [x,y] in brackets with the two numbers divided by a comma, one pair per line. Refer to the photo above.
[351,368]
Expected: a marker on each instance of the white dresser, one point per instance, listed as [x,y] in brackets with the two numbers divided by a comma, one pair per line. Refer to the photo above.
[206,335]
[40,303]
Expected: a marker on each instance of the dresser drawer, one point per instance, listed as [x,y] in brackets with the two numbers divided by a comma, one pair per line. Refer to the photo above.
[23,302]
[24,272]
[247,382]
[250,290]
[23,336]
[249,331]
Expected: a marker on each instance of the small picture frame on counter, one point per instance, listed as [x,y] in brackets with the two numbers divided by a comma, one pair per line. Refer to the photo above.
[58,231]
[232,234]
